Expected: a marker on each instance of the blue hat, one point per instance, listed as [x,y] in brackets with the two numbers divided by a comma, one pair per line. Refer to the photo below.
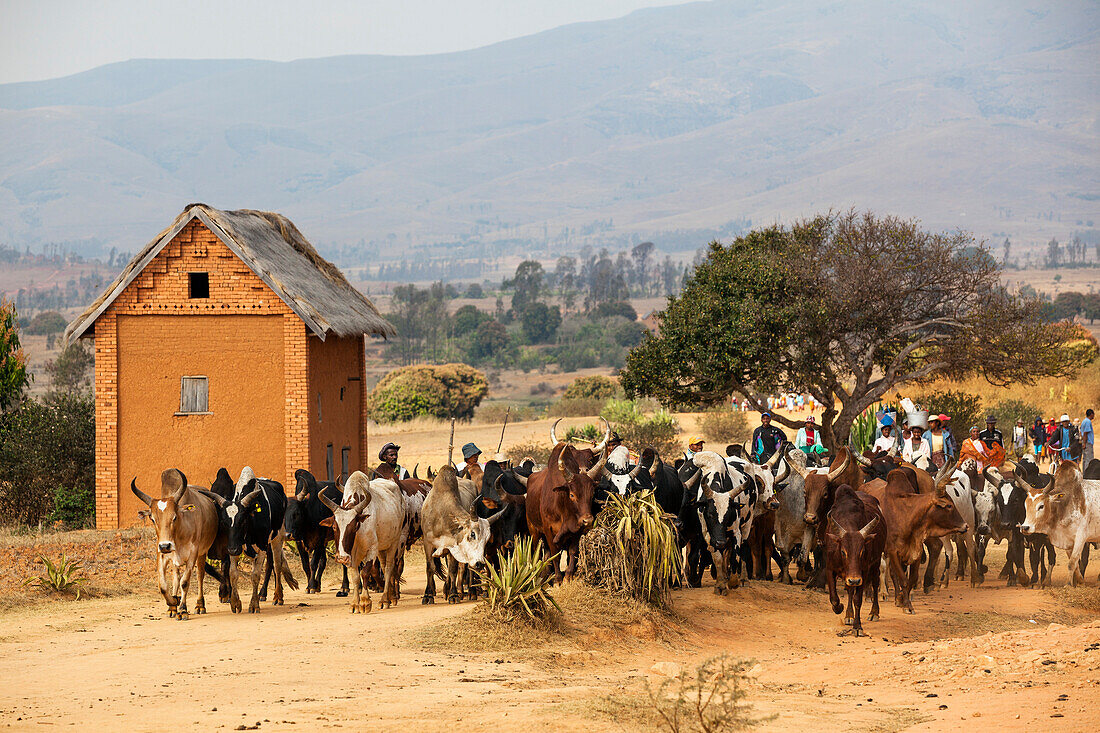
[469,451]
[887,421]
[766,412]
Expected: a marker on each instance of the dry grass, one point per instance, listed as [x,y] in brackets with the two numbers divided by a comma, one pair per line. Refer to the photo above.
[1082,598]
[1052,396]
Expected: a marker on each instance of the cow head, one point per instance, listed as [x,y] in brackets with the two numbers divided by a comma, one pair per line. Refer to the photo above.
[850,542]
[1051,503]
[714,492]
[347,517]
[237,513]
[819,482]
[621,477]
[579,484]
[942,515]
[165,513]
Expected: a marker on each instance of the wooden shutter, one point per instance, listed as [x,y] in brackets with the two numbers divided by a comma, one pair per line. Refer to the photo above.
[194,395]
[345,457]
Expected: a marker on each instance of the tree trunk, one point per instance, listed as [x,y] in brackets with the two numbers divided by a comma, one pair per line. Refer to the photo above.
[840,429]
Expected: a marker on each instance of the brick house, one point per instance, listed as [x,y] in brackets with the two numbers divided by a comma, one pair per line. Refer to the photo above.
[227,341]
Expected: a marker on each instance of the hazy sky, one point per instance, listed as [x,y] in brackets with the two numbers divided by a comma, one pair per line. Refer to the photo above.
[41,39]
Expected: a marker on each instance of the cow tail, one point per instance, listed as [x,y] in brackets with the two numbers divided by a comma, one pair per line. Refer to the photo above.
[1053,555]
[214,572]
[288,577]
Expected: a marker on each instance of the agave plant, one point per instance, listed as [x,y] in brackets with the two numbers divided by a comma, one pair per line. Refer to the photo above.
[520,586]
[633,548]
[63,576]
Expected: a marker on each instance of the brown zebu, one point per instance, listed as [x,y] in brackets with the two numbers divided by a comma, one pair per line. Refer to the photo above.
[855,538]
[187,523]
[559,504]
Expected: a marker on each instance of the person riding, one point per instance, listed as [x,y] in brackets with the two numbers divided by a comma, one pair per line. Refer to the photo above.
[388,455]
[917,450]
[937,441]
[808,439]
[1065,437]
[991,435]
[887,442]
[766,439]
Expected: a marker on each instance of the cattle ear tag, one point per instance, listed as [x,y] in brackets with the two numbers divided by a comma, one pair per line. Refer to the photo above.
[258,509]
[189,508]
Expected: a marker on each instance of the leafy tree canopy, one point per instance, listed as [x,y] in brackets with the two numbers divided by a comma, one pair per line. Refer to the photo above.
[13,362]
[846,307]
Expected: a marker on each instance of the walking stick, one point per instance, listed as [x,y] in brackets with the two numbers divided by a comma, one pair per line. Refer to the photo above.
[507,413]
[451,443]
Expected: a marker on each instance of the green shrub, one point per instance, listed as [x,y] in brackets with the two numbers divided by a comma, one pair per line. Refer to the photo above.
[537,450]
[45,445]
[580,407]
[723,425]
[964,409]
[520,589]
[45,323]
[1009,411]
[588,432]
[612,308]
[657,431]
[571,357]
[630,334]
[73,507]
[436,390]
[64,576]
[596,386]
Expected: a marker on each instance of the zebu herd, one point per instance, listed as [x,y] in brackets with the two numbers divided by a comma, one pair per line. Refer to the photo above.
[857,522]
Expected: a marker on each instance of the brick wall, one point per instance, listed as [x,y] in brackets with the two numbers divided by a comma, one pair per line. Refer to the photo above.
[162,288]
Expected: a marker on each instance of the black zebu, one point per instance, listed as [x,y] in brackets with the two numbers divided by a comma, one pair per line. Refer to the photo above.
[304,515]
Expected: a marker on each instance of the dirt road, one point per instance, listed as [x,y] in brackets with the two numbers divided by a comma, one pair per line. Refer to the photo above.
[988,656]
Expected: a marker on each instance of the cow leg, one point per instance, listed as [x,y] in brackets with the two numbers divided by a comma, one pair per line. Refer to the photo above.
[345,585]
[980,545]
[572,550]
[185,588]
[1014,564]
[200,605]
[1035,558]
[898,576]
[876,577]
[933,546]
[910,585]
[258,565]
[1076,577]
[429,583]
[276,557]
[234,573]
[387,557]
[163,580]
[784,566]
[855,597]
[960,566]
[834,597]
[267,573]
[308,563]
[721,572]
[453,593]
[363,599]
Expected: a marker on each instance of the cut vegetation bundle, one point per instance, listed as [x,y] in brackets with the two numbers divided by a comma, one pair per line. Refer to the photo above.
[632,549]
[519,589]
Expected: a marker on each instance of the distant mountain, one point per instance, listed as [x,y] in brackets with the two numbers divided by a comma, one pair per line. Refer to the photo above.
[671,123]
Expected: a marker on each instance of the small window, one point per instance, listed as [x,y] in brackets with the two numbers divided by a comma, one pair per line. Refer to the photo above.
[345,458]
[319,416]
[194,395]
[198,284]
[329,468]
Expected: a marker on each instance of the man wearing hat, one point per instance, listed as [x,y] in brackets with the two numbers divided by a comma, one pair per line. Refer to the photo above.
[808,439]
[388,455]
[695,445]
[766,439]
[1065,437]
[991,435]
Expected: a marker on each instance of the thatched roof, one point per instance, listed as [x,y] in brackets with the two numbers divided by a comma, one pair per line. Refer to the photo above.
[277,252]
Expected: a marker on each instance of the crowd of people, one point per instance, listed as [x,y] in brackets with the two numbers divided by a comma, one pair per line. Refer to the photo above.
[931,444]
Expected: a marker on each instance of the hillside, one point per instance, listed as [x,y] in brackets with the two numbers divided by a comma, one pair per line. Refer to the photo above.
[672,123]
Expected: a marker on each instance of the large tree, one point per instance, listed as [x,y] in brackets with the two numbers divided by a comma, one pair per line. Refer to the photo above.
[847,308]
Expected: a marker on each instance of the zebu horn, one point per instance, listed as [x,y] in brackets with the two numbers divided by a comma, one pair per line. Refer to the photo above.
[521,478]
[250,497]
[554,432]
[635,471]
[862,460]
[944,477]
[596,471]
[168,480]
[221,501]
[414,471]
[837,525]
[690,483]
[363,504]
[774,459]
[800,470]
[140,494]
[606,436]
[866,531]
[785,470]
[495,517]
[835,473]
[329,503]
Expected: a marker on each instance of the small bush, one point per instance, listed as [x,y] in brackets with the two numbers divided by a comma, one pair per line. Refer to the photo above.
[520,589]
[62,577]
[580,407]
[964,409]
[590,433]
[657,431]
[443,391]
[495,413]
[596,387]
[711,700]
[542,388]
[75,508]
[723,425]
[1009,411]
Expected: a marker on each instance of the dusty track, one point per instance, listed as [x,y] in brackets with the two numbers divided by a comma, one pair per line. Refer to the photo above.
[120,663]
